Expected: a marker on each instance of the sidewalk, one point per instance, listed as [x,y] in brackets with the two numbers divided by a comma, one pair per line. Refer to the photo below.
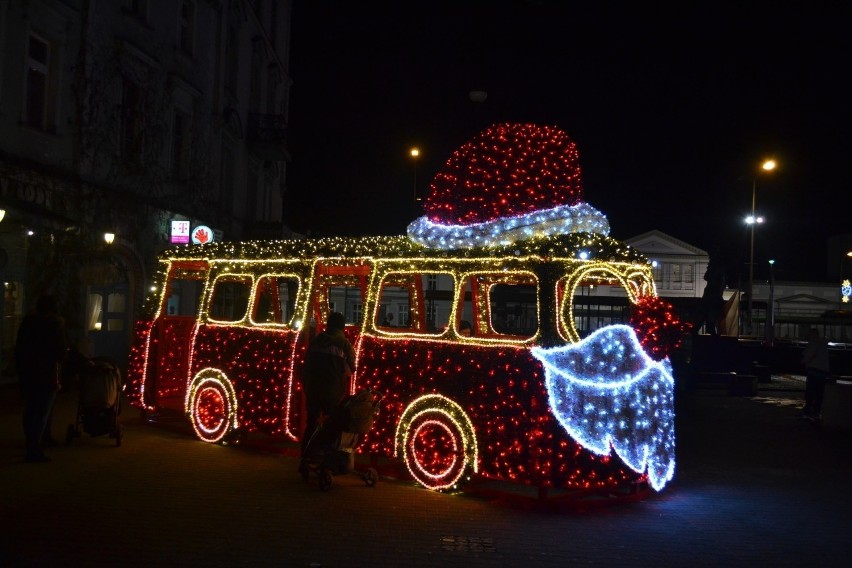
[754,485]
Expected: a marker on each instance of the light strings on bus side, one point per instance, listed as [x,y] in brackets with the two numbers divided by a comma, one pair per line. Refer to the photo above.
[253,340]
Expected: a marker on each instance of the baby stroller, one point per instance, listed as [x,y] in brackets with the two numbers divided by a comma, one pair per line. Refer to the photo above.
[100,401]
[330,450]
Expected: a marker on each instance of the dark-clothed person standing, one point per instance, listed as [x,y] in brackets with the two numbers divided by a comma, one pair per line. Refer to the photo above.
[712,300]
[816,360]
[40,349]
[330,363]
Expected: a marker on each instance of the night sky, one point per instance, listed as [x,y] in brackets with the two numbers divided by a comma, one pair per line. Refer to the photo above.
[672,109]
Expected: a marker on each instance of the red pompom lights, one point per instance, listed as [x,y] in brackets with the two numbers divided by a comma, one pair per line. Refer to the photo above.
[505,171]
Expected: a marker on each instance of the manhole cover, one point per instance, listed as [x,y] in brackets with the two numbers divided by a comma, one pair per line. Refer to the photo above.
[467,543]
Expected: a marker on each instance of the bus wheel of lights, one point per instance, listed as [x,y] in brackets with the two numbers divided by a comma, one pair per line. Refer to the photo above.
[435,438]
[212,406]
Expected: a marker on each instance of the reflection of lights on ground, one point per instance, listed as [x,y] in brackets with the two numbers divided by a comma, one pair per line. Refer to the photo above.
[784,391]
[792,380]
[776,401]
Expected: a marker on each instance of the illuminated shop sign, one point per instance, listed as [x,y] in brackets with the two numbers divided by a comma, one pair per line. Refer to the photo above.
[202,234]
[180,232]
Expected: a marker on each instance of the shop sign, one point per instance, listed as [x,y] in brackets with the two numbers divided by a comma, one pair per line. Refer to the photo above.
[27,192]
[180,232]
[202,234]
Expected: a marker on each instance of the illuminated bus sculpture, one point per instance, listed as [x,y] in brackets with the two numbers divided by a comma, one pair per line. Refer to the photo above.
[536,394]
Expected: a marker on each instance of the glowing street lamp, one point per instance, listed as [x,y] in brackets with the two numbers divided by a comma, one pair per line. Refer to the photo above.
[752,220]
[415,154]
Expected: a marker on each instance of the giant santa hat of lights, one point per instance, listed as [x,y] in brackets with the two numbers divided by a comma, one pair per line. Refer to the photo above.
[509,183]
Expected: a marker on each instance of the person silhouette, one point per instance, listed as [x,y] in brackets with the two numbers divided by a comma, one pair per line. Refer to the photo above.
[40,350]
[328,368]
[712,299]
[816,361]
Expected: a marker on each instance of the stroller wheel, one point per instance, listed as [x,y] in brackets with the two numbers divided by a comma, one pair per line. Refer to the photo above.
[325,479]
[235,437]
[371,476]
[70,433]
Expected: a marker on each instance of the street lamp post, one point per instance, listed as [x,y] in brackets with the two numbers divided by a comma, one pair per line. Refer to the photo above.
[415,153]
[770,326]
[753,220]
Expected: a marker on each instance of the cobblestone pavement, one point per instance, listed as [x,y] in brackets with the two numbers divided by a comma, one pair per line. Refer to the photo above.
[755,485]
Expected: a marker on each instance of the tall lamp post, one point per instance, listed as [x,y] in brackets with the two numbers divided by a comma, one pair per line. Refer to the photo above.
[753,220]
[770,326]
[415,153]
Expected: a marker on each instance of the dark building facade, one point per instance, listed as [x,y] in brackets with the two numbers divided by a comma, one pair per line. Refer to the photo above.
[117,119]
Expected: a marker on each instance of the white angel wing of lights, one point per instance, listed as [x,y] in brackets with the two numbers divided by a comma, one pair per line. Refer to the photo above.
[609,394]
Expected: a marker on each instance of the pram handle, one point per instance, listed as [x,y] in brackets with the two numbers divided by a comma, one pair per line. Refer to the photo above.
[377,396]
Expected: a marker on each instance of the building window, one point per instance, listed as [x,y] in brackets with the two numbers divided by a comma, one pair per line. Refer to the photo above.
[256,77]
[675,273]
[688,274]
[226,189]
[131,122]
[431,314]
[187,27]
[273,23]
[402,315]
[40,95]
[252,183]
[342,297]
[272,82]
[265,198]
[138,8]
[181,144]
